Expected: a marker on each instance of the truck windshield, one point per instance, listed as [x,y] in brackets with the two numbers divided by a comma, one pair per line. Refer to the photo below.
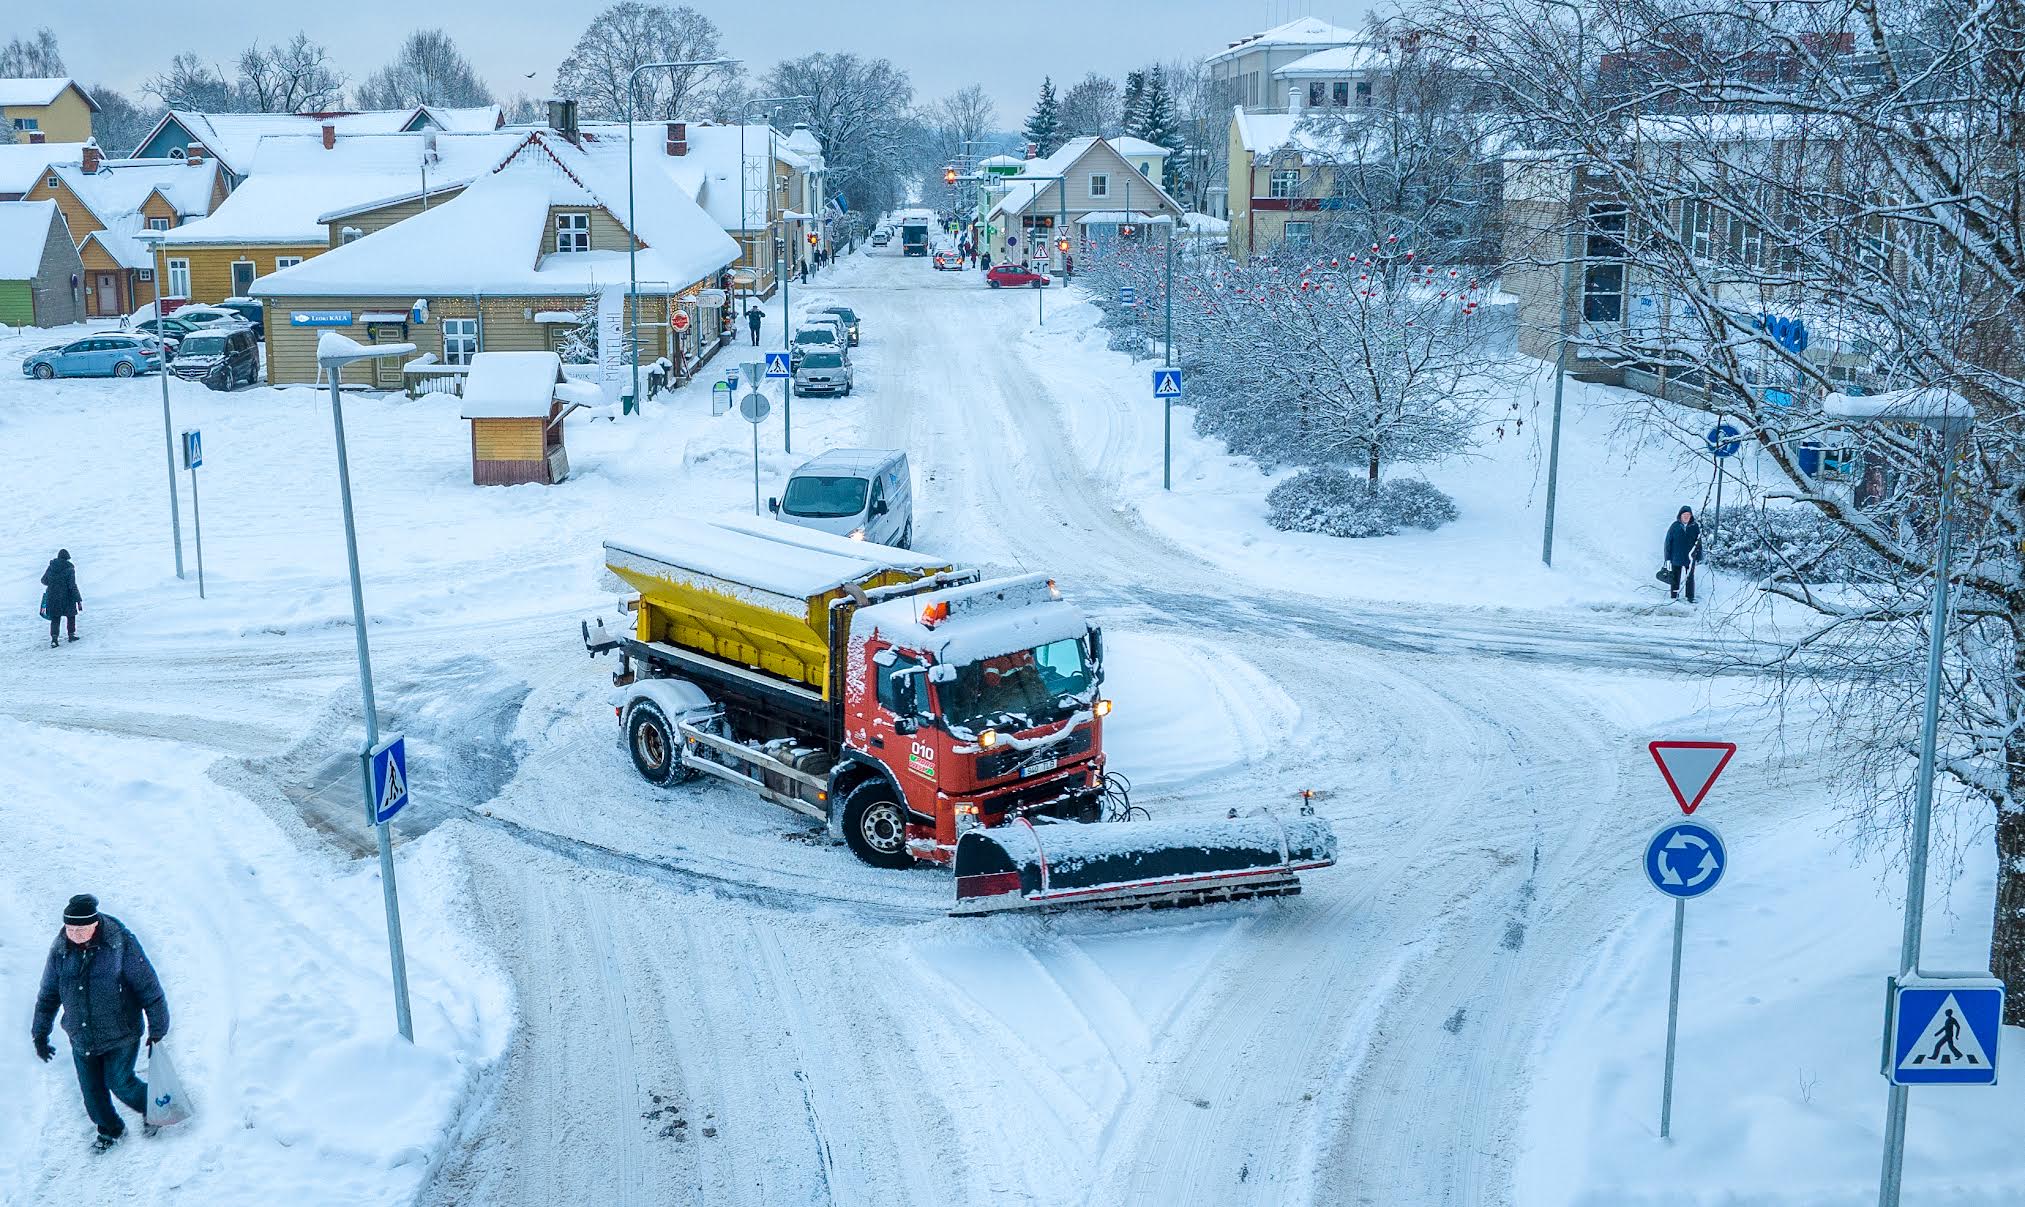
[824,498]
[1018,690]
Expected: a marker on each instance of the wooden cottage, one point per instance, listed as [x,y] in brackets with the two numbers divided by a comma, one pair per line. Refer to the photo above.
[516,402]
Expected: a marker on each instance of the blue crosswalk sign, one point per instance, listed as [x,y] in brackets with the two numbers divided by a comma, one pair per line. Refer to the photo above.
[1167,383]
[777,364]
[1944,1031]
[1127,295]
[388,770]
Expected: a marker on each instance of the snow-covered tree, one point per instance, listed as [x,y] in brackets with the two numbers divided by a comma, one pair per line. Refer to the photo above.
[33,57]
[192,83]
[623,37]
[120,124]
[1856,168]
[1132,106]
[859,109]
[295,76]
[1091,106]
[427,70]
[580,343]
[1044,124]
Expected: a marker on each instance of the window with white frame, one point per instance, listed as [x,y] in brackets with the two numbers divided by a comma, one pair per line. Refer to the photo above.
[1100,184]
[1603,264]
[1299,234]
[27,123]
[281,262]
[1698,228]
[179,278]
[158,224]
[1286,182]
[1747,242]
[52,180]
[1317,93]
[1364,94]
[1339,94]
[460,341]
[573,232]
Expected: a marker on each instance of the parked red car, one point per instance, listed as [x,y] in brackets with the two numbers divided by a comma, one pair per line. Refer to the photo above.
[1014,274]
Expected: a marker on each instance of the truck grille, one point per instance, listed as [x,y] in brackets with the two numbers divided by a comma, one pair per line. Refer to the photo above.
[1006,762]
[1029,795]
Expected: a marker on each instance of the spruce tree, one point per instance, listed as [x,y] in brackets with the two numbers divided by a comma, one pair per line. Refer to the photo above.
[1158,126]
[1135,102]
[1044,125]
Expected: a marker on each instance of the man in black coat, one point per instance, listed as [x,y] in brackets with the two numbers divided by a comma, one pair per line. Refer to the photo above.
[752,318]
[61,595]
[100,976]
[1683,551]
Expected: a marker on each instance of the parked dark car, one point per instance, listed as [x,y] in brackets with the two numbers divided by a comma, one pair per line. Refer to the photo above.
[221,357]
[850,318]
[1014,274]
[252,311]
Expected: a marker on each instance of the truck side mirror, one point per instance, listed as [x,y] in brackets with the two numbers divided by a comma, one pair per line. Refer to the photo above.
[773,504]
[880,508]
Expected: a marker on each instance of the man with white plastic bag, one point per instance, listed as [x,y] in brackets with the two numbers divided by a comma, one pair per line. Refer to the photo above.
[99,975]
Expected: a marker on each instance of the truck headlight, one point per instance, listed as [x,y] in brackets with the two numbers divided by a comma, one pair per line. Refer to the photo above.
[857,534]
[1103,708]
[967,818]
[988,739]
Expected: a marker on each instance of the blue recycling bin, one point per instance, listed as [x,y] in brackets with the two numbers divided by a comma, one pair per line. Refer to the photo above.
[1809,454]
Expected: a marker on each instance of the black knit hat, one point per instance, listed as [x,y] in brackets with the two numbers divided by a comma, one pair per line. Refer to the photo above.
[82,910]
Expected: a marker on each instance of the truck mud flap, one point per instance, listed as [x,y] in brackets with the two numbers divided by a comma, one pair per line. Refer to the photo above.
[1137,864]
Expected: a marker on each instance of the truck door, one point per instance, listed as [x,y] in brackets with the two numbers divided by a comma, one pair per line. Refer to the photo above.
[907,747]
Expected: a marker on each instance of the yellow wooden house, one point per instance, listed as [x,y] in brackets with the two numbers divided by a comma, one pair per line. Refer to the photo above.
[113,207]
[51,109]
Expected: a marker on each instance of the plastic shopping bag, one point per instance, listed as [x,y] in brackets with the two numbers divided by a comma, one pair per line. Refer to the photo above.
[44,611]
[166,1103]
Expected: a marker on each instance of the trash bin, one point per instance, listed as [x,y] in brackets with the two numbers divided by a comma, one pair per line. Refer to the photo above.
[1809,454]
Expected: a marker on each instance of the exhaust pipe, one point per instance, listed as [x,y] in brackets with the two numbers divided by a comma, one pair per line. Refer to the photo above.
[1125,865]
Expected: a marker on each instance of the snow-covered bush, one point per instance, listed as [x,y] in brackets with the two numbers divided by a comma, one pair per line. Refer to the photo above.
[1337,502]
[1787,544]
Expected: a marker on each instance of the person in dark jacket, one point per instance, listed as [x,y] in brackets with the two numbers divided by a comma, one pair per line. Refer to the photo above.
[1683,551]
[752,318]
[100,976]
[62,599]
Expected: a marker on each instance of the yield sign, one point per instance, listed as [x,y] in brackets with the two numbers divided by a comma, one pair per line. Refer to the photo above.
[1691,768]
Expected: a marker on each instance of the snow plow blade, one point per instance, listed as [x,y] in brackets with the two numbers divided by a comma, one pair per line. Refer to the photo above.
[1127,865]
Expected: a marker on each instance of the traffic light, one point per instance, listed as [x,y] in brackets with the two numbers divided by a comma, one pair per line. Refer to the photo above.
[1062,245]
[814,239]
[949,175]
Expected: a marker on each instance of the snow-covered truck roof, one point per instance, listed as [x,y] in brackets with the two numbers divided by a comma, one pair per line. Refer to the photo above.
[959,625]
[778,570]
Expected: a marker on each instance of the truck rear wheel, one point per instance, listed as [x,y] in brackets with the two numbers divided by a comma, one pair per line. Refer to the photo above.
[651,740]
[875,825]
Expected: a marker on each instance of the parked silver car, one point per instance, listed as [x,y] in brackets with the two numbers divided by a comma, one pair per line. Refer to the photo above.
[823,371]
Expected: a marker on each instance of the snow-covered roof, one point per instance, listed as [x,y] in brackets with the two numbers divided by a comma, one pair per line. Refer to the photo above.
[1265,134]
[1113,217]
[234,138]
[476,119]
[494,237]
[1020,193]
[1336,60]
[298,186]
[1934,406]
[511,385]
[1000,161]
[115,193]
[997,616]
[40,91]
[22,164]
[24,230]
[1206,223]
[1306,31]
[778,570]
[1125,144]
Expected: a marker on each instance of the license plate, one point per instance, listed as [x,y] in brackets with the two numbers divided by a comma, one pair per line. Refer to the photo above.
[1037,767]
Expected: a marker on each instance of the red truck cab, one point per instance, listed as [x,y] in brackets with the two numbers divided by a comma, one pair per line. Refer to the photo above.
[982,704]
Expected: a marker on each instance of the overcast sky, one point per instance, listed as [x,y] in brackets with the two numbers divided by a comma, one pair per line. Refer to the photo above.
[942,47]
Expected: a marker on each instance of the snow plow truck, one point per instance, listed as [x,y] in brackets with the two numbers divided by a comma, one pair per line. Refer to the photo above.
[919,712]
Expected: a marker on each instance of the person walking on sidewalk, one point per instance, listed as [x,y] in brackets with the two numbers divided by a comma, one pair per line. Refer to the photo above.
[752,318]
[1683,551]
[60,599]
[100,976]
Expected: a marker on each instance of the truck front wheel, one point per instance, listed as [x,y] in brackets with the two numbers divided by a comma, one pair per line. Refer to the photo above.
[875,825]
[651,739]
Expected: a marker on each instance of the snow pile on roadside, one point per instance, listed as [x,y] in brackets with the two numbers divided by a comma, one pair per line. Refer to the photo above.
[1614,503]
[276,972]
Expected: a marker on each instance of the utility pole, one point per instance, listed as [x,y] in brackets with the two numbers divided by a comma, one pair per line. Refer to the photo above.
[1167,404]
[1560,380]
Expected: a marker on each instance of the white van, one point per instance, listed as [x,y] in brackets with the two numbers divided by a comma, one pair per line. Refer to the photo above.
[866,494]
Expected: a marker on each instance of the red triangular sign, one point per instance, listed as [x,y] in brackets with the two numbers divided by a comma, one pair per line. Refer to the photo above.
[1691,768]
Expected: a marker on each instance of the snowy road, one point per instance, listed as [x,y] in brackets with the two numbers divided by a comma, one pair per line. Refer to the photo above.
[712,1008]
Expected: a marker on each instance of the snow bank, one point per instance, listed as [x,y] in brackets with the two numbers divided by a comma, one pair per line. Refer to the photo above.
[276,972]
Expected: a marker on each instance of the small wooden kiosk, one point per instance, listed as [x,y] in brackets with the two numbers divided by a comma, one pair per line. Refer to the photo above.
[516,402]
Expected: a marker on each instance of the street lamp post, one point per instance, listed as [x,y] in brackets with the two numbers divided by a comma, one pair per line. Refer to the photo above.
[1167,408]
[632,229]
[1560,380]
[1952,416]
[333,353]
[168,425]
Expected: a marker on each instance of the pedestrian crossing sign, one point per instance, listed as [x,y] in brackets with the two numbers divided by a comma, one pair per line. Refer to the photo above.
[1944,1031]
[777,364]
[1167,383]
[387,773]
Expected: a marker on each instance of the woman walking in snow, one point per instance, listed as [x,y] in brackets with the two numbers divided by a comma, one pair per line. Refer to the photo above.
[1682,551]
[60,599]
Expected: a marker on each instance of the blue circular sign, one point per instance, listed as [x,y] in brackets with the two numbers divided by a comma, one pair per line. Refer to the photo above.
[1685,859]
[1723,440]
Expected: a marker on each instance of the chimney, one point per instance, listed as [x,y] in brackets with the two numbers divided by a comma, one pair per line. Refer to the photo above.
[678,138]
[193,154]
[1033,150]
[91,158]
[329,137]
[562,118]
[36,136]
